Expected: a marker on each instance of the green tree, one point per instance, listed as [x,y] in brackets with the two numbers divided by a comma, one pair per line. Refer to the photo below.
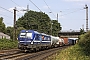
[9,31]
[82,31]
[56,27]
[2,25]
[19,29]
[38,21]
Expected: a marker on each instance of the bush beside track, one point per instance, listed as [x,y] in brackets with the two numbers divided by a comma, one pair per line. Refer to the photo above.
[8,44]
[80,51]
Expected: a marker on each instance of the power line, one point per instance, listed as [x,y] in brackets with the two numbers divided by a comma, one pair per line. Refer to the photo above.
[6,9]
[49,8]
[72,12]
[16,4]
[35,5]
[69,9]
[6,16]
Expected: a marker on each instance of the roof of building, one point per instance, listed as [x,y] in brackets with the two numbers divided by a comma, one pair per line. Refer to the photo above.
[2,34]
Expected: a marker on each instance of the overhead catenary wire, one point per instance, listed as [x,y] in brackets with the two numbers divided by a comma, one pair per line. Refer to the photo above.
[69,9]
[16,4]
[72,12]
[49,8]
[35,5]
[6,9]
[6,16]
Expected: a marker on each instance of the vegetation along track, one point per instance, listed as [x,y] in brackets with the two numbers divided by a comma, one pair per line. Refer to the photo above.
[31,56]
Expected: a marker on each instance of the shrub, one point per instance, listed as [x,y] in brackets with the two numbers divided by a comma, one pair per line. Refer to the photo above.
[8,44]
[84,43]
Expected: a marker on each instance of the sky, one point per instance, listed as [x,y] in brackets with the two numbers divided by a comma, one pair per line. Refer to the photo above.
[71,13]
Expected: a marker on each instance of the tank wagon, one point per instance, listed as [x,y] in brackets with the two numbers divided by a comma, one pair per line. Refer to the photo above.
[60,42]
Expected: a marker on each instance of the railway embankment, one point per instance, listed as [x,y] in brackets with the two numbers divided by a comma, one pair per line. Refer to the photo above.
[80,51]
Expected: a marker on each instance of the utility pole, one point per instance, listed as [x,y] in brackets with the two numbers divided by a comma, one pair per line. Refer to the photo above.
[27,12]
[26,9]
[86,7]
[14,33]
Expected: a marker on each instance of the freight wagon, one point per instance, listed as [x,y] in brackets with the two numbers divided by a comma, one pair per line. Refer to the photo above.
[71,41]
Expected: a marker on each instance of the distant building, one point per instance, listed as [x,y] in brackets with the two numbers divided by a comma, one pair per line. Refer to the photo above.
[4,36]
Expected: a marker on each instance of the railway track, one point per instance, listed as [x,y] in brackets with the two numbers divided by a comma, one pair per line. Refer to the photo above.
[30,56]
[8,51]
[43,54]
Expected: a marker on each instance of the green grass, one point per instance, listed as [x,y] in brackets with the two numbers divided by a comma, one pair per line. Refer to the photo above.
[71,53]
[7,44]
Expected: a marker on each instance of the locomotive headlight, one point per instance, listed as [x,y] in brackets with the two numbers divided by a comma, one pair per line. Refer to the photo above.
[26,31]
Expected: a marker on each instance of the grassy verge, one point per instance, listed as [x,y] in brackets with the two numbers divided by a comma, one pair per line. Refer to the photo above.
[7,44]
[71,53]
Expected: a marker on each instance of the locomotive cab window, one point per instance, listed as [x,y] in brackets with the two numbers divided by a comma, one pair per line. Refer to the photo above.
[29,35]
[36,37]
[45,38]
[49,38]
[22,34]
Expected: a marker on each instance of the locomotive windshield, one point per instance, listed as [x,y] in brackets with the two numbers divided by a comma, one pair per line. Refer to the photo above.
[22,35]
[29,35]
[26,35]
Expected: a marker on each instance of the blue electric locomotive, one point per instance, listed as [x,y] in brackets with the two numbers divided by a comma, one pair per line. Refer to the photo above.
[33,40]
